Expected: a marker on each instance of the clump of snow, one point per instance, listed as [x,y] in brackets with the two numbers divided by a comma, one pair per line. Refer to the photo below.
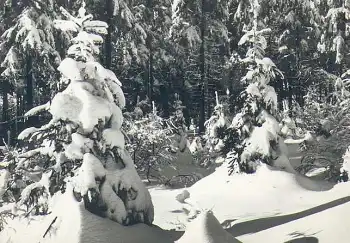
[282,161]
[183,196]
[4,176]
[27,132]
[34,111]
[65,106]
[79,104]
[70,69]
[90,169]
[206,229]
[307,137]
[288,127]
[78,146]
[261,137]
[346,161]
[114,138]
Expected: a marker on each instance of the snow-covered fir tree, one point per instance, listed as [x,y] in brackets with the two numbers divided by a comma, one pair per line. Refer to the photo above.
[83,144]
[177,118]
[177,124]
[215,127]
[253,138]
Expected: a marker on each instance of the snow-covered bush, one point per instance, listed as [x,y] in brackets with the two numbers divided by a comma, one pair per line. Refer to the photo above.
[150,141]
[253,136]
[178,125]
[215,128]
[206,148]
[82,144]
[328,118]
[177,118]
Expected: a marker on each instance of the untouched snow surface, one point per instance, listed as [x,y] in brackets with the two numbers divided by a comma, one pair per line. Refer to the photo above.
[264,201]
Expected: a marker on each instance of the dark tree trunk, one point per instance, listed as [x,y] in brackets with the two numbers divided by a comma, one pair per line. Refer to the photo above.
[204,85]
[29,98]
[19,112]
[108,41]
[149,43]
[164,100]
[184,95]
[150,72]
[29,83]
[5,102]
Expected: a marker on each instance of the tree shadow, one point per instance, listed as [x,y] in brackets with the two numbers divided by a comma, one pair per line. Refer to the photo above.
[177,211]
[313,184]
[308,239]
[258,225]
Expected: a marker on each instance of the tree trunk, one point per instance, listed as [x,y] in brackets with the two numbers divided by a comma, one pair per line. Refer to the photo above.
[32,121]
[150,72]
[108,41]
[165,100]
[204,85]
[18,111]
[150,48]
[5,103]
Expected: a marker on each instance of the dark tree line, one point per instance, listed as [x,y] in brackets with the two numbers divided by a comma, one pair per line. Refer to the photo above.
[159,48]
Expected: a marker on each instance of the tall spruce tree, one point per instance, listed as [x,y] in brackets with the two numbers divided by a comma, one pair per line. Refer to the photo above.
[253,135]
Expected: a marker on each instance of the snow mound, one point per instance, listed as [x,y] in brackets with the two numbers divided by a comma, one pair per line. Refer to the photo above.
[183,196]
[243,197]
[70,222]
[206,229]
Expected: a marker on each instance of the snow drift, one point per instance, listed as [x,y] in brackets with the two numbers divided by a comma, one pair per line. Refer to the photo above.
[69,222]
[206,229]
[257,202]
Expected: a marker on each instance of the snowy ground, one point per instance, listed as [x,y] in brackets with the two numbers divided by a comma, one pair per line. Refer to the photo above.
[249,204]
[268,206]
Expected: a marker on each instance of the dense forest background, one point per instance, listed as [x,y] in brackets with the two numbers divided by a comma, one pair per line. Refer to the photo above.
[165,51]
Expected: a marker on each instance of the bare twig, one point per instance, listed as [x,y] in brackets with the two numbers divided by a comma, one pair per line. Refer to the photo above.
[48,229]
